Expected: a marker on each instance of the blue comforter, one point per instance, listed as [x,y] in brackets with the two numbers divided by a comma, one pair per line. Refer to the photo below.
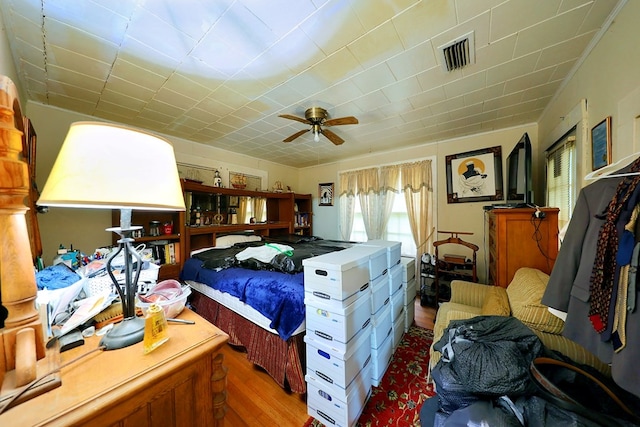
[277,296]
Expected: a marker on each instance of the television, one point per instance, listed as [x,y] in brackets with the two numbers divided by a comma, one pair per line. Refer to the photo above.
[519,173]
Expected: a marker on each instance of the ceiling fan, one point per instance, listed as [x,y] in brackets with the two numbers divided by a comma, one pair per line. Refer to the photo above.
[317,117]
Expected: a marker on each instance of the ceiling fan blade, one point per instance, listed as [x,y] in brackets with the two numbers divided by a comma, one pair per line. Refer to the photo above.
[295,135]
[296,118]
[350,120]
[332,136]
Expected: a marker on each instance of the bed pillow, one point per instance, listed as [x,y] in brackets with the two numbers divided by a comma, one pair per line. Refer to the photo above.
[232,239]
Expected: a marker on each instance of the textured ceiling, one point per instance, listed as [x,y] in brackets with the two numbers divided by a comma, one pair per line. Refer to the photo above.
[220,72]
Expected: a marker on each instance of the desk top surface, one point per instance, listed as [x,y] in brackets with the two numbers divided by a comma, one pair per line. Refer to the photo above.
[104,377]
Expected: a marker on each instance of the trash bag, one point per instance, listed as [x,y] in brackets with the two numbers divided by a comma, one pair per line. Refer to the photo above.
[484,357]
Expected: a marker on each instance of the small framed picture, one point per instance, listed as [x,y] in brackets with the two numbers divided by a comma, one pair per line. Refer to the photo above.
[325,193]
[601,144]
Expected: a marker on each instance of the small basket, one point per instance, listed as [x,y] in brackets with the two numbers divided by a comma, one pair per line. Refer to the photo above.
[172,307]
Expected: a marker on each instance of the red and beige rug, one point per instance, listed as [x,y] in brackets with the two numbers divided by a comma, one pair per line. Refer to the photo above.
[403,389]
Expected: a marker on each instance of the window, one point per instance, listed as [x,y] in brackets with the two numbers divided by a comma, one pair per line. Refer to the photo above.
[398,228]
[561,177]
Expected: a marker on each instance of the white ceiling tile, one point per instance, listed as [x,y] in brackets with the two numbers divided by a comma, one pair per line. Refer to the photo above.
[374,78]
[132,90]
[219,73]
[73,78]
[413,61]
[377,45]
[550,32]
[513,16]
[512,69]
[80,42]
[79,63]
[88,17]
[425,20]
[333,26]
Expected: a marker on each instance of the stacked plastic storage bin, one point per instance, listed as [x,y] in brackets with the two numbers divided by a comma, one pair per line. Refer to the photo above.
[392,252]
[338,317]
[409,290]
[382,341]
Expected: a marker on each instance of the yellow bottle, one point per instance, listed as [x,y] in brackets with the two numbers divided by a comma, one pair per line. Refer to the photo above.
[155,328]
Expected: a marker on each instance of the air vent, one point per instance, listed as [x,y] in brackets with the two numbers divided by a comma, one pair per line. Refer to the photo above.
[458,53]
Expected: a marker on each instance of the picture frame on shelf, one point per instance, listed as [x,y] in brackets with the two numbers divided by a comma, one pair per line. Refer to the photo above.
[325,194]
[601,144]
[475,176]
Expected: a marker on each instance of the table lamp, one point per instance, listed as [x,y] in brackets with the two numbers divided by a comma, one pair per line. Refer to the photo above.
[106,166]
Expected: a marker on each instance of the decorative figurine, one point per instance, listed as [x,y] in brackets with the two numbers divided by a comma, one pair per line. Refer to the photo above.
[217,179]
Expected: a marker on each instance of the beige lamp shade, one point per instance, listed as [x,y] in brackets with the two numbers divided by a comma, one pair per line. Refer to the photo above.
[107,166]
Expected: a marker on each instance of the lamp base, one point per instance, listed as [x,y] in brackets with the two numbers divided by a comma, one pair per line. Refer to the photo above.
[128,332]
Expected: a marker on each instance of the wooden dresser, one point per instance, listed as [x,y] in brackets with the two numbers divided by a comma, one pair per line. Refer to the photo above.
[181,383]
[518,239]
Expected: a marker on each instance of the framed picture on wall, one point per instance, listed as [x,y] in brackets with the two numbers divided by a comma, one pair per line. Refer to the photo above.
[601,144]
[475,176]
[325,193]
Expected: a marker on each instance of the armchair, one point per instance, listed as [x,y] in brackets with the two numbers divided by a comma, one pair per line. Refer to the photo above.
[520,299]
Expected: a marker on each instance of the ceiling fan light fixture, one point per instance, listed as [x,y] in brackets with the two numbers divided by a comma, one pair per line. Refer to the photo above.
[316,132]
[318,118]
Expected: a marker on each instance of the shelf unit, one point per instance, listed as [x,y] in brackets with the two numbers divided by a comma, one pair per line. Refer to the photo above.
[143,218]
[281,219]
[303,214]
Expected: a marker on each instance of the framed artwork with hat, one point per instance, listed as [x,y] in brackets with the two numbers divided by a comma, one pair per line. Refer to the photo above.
[475,176]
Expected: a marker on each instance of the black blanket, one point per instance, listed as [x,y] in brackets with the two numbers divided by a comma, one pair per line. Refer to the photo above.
[303,247]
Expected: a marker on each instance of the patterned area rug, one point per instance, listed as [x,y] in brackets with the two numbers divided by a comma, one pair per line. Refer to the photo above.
[403,389]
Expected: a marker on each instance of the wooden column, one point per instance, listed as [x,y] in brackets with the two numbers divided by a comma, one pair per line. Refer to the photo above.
[17,277]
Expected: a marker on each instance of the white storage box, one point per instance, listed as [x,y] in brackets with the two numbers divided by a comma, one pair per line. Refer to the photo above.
[379,293]
[381,326]
[409,291]
[380,358]
[325,406]
[408,268]
[332,367]
[336,275]
[409,315]
[393,250]
[377,259]
[397,304]
[395,279]
[337,327]
[398,328]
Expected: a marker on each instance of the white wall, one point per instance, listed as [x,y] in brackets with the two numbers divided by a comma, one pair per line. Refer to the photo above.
[608,81]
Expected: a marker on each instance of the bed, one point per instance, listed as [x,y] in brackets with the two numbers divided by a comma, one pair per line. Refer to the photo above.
[254,291]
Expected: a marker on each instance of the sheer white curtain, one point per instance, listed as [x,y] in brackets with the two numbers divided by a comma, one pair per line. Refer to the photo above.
[368,185]
[418,192]
[388,188]
[259,208]
[346,201]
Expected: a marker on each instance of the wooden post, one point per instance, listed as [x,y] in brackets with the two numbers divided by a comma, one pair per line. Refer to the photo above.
[17,276]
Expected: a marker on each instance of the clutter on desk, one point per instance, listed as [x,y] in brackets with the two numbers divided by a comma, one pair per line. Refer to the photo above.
[77,288]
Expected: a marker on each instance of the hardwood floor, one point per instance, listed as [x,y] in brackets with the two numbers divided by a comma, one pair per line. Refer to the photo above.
[254,399]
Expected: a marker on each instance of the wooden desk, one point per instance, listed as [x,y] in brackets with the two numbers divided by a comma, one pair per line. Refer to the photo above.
[177,384]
